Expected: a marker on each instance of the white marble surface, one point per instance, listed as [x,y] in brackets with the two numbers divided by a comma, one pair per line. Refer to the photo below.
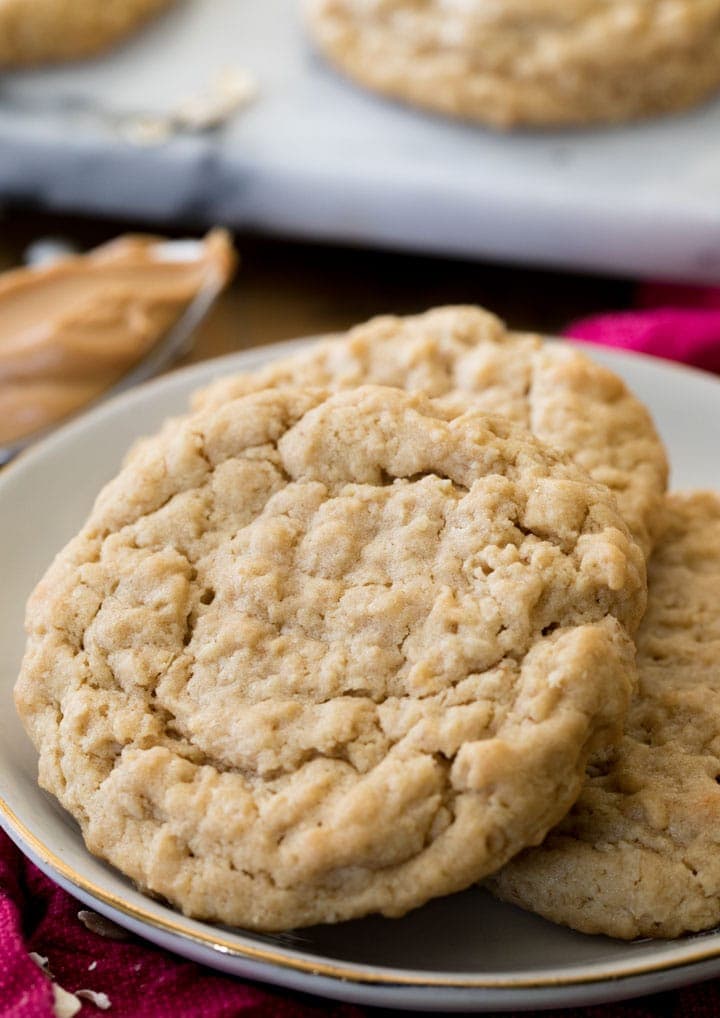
[313,156]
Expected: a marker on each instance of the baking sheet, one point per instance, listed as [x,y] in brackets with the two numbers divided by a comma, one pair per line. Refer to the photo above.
[314,156]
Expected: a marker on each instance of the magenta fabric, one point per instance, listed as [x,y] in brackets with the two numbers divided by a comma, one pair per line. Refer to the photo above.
[678,323]
[142,981]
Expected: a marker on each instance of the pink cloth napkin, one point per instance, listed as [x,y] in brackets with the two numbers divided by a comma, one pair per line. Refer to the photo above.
[141,981]
[679,323]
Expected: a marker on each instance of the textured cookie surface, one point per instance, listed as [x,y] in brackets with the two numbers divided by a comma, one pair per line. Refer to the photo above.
[315,657]
[35,31]
[639,855]
[552,390]
[509,62]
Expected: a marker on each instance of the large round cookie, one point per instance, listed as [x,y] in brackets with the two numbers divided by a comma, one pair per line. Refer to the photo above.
[315,657]
[639,855]
[551,389]
[36,31]
[536,62]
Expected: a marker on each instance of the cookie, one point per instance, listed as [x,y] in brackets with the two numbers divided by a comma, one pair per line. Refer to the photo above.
[535,62]
[40,31]
[313,657]
[551,389]
[638,855]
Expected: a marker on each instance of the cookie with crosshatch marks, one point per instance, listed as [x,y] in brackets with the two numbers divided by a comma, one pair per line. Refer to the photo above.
[638,855]
[316,656]
[537,62]
[551,389]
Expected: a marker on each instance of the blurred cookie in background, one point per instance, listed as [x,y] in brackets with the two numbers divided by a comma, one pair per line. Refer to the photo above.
[44,31]
[527,62]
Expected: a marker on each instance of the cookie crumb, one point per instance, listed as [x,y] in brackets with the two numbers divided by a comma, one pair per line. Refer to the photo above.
[231,90]
[41,961]
[102,926]
[147,131]
[100,1000]
[65,1004]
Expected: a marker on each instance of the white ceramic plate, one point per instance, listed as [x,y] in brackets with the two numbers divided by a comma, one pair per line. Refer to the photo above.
[466,952]
[315,156]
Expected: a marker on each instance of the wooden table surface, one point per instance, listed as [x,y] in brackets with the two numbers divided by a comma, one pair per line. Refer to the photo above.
[286,289]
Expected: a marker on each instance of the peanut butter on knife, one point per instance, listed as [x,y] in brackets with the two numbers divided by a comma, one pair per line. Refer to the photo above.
[69,331]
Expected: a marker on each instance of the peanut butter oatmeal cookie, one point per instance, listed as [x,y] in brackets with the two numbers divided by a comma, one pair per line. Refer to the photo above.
[535,62]
[313,657]
[639,854]
[550,389]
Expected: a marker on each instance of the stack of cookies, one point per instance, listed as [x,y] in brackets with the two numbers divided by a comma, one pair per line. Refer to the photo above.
[369,625]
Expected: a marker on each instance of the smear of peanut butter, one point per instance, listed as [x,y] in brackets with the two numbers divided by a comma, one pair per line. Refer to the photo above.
[71,330]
